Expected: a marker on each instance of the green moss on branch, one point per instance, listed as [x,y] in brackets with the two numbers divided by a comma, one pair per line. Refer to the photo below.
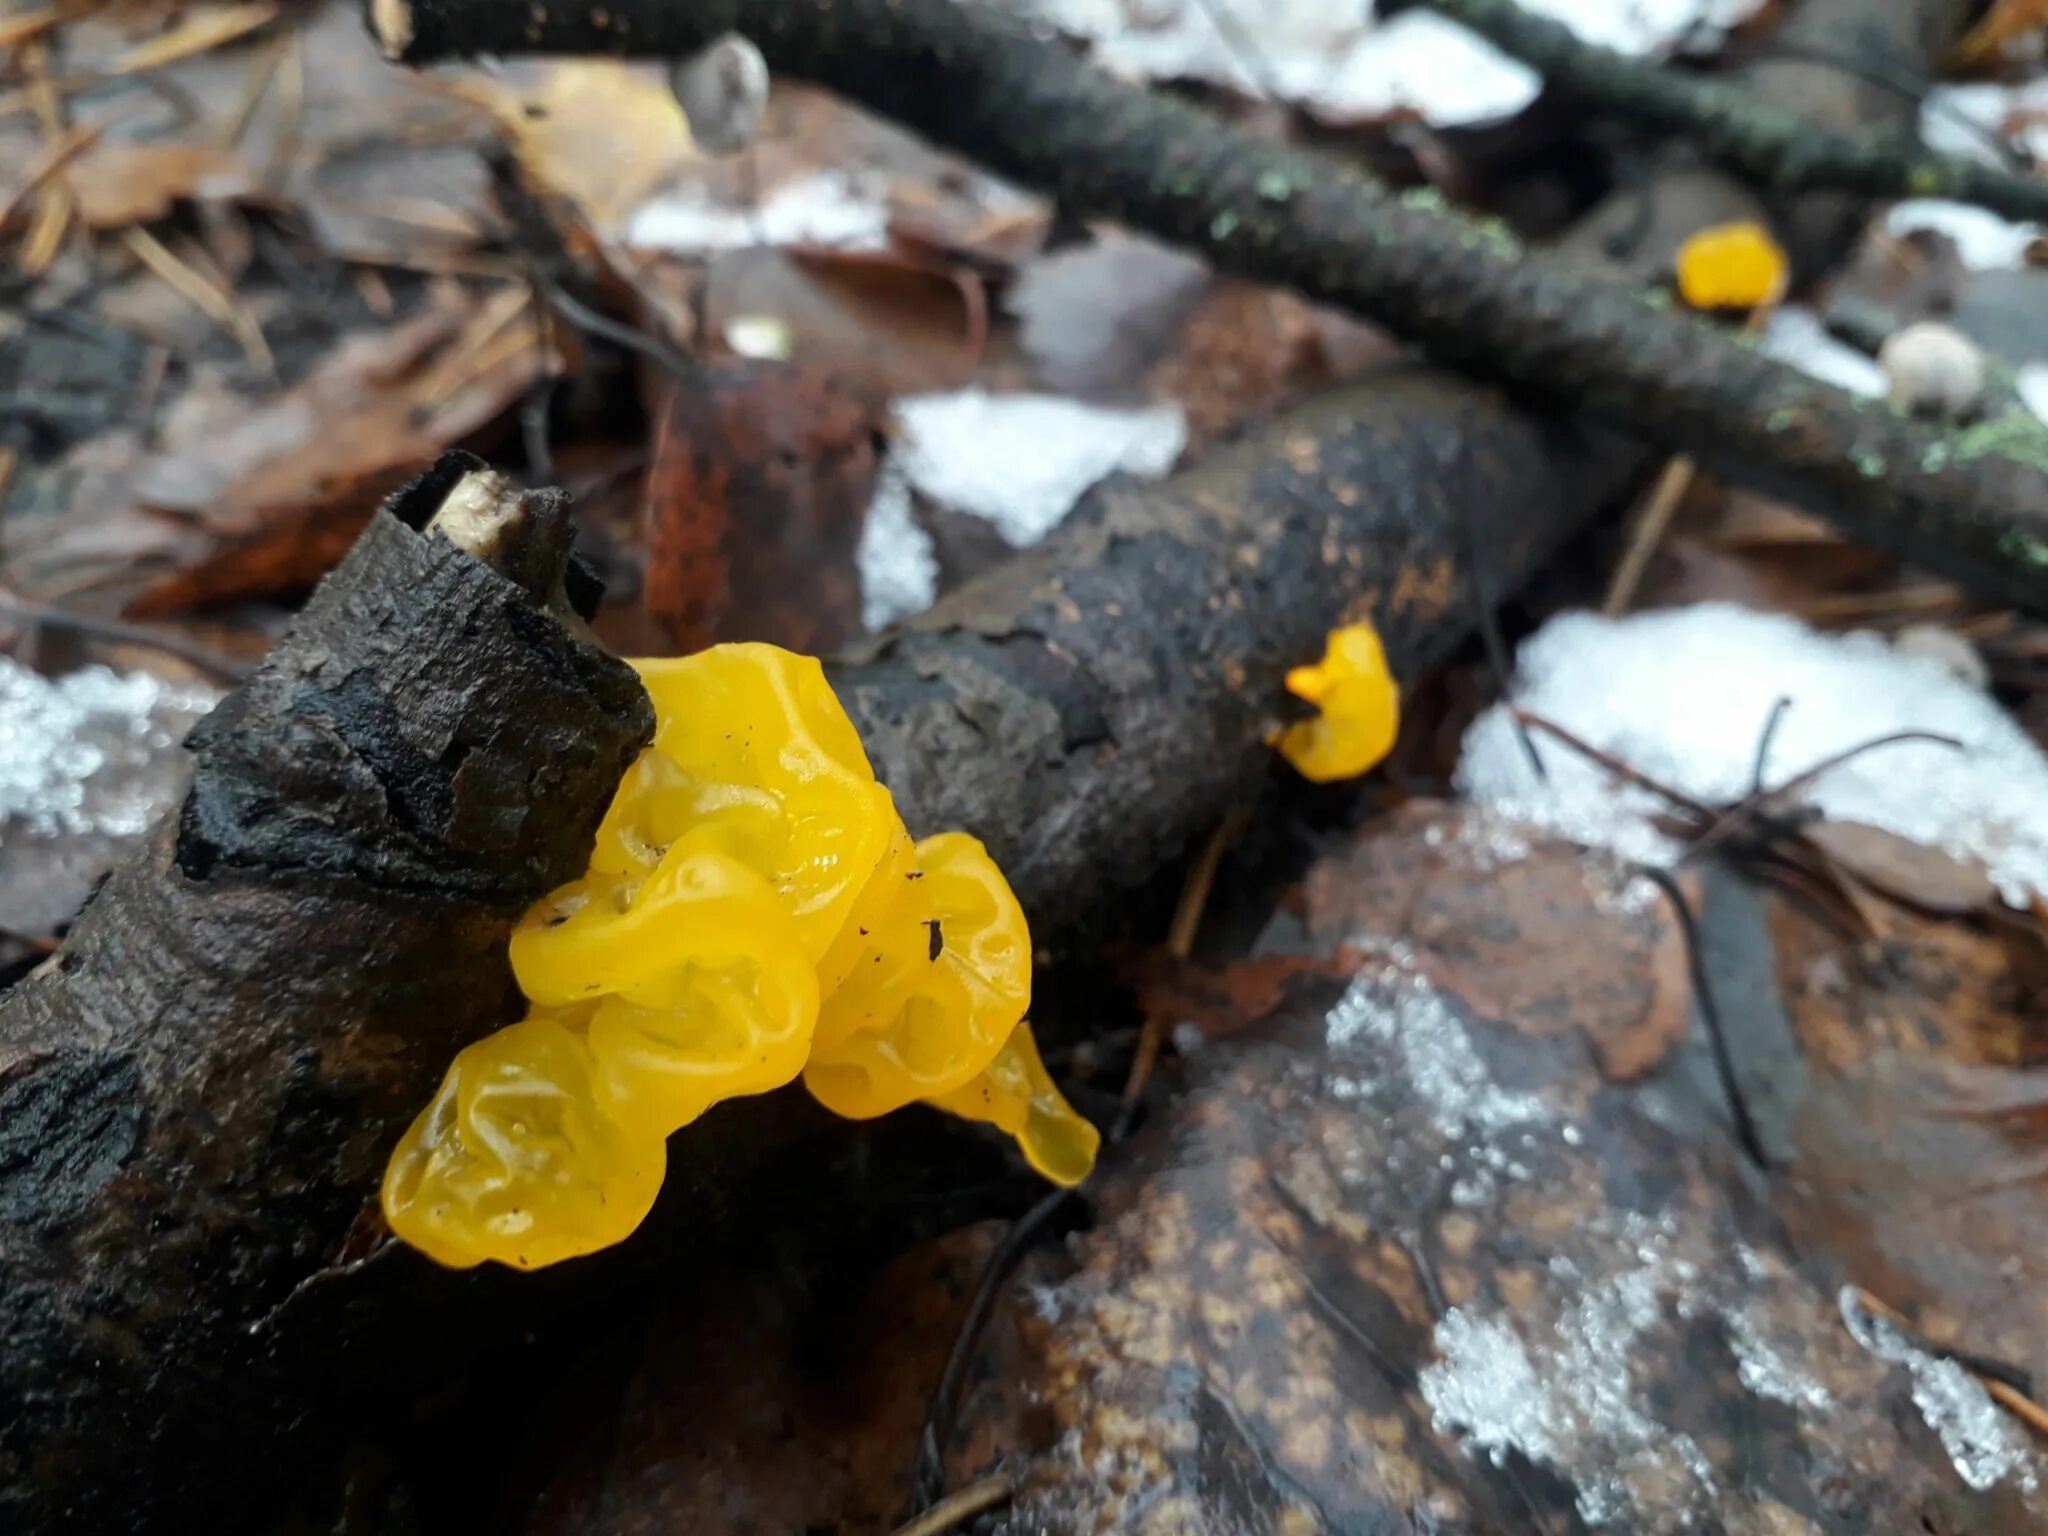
[1778,150]
[1027,107]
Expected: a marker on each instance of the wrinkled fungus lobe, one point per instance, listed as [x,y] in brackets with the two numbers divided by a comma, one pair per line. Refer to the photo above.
[1731,266]
[754,910]
[1358,709]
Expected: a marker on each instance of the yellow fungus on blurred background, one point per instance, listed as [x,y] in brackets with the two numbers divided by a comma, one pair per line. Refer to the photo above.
[1358,709]
[1732,266]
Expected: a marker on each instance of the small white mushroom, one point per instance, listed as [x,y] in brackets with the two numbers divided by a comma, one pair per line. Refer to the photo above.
[1955,654]
[1932,369]
[723,91]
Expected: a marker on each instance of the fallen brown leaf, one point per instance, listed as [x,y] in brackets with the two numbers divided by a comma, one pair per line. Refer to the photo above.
[199,29]
[888,324]
[600,133]
[761,477]
[1559,940]
[138,183]
[1928,1182]
[286,491]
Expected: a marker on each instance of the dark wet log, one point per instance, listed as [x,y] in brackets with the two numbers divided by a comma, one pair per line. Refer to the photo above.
[198,1089]
[1092,704]
[977,81]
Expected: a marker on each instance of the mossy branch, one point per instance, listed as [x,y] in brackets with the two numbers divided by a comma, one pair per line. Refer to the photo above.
[980,83]
[1774,149]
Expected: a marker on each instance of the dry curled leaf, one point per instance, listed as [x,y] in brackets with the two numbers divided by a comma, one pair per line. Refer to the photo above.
[599,133]
[284,491]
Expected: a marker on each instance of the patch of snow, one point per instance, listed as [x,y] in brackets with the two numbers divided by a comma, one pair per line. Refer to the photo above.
[1420,62]
[1984,241]
[829,208]
[1683,696]
[1486,1387]
[1794,335]
[1985,1445]
[1768,1371]
[1389,1008]
[899,569]
[2032,384]
[1335,60]
[1968,120]
[1022,461]
[76,752]
[1569,1398]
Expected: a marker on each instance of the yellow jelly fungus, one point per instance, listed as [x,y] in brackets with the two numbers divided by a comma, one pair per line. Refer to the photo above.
[941,983]
[1015,1094]
[513,1160]
[1358,709]
[753,910]
[1731,266]
[754,758]
[703,990]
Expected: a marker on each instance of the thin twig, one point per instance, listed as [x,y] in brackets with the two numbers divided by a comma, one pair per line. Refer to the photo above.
[255,86]
[1663,505]
[584,318]
[1180,943]
[1765,737]
[1763,143]
[2016,1402]
[1669,494]
[2008,1384]
[1835,760]
[1617,767]
[1724,1060]
[1488,624]
[956,1510]
[76,141]
[938,1419]
[1750,807]
[227,668]
[209,298]
[56,205]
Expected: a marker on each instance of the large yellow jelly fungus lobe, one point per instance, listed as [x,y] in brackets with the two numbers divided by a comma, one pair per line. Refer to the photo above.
[1731,266]
[513,1160]
[1358,709]
[753,910]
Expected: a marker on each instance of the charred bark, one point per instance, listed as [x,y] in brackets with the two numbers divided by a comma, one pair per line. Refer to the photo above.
[197,1091]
